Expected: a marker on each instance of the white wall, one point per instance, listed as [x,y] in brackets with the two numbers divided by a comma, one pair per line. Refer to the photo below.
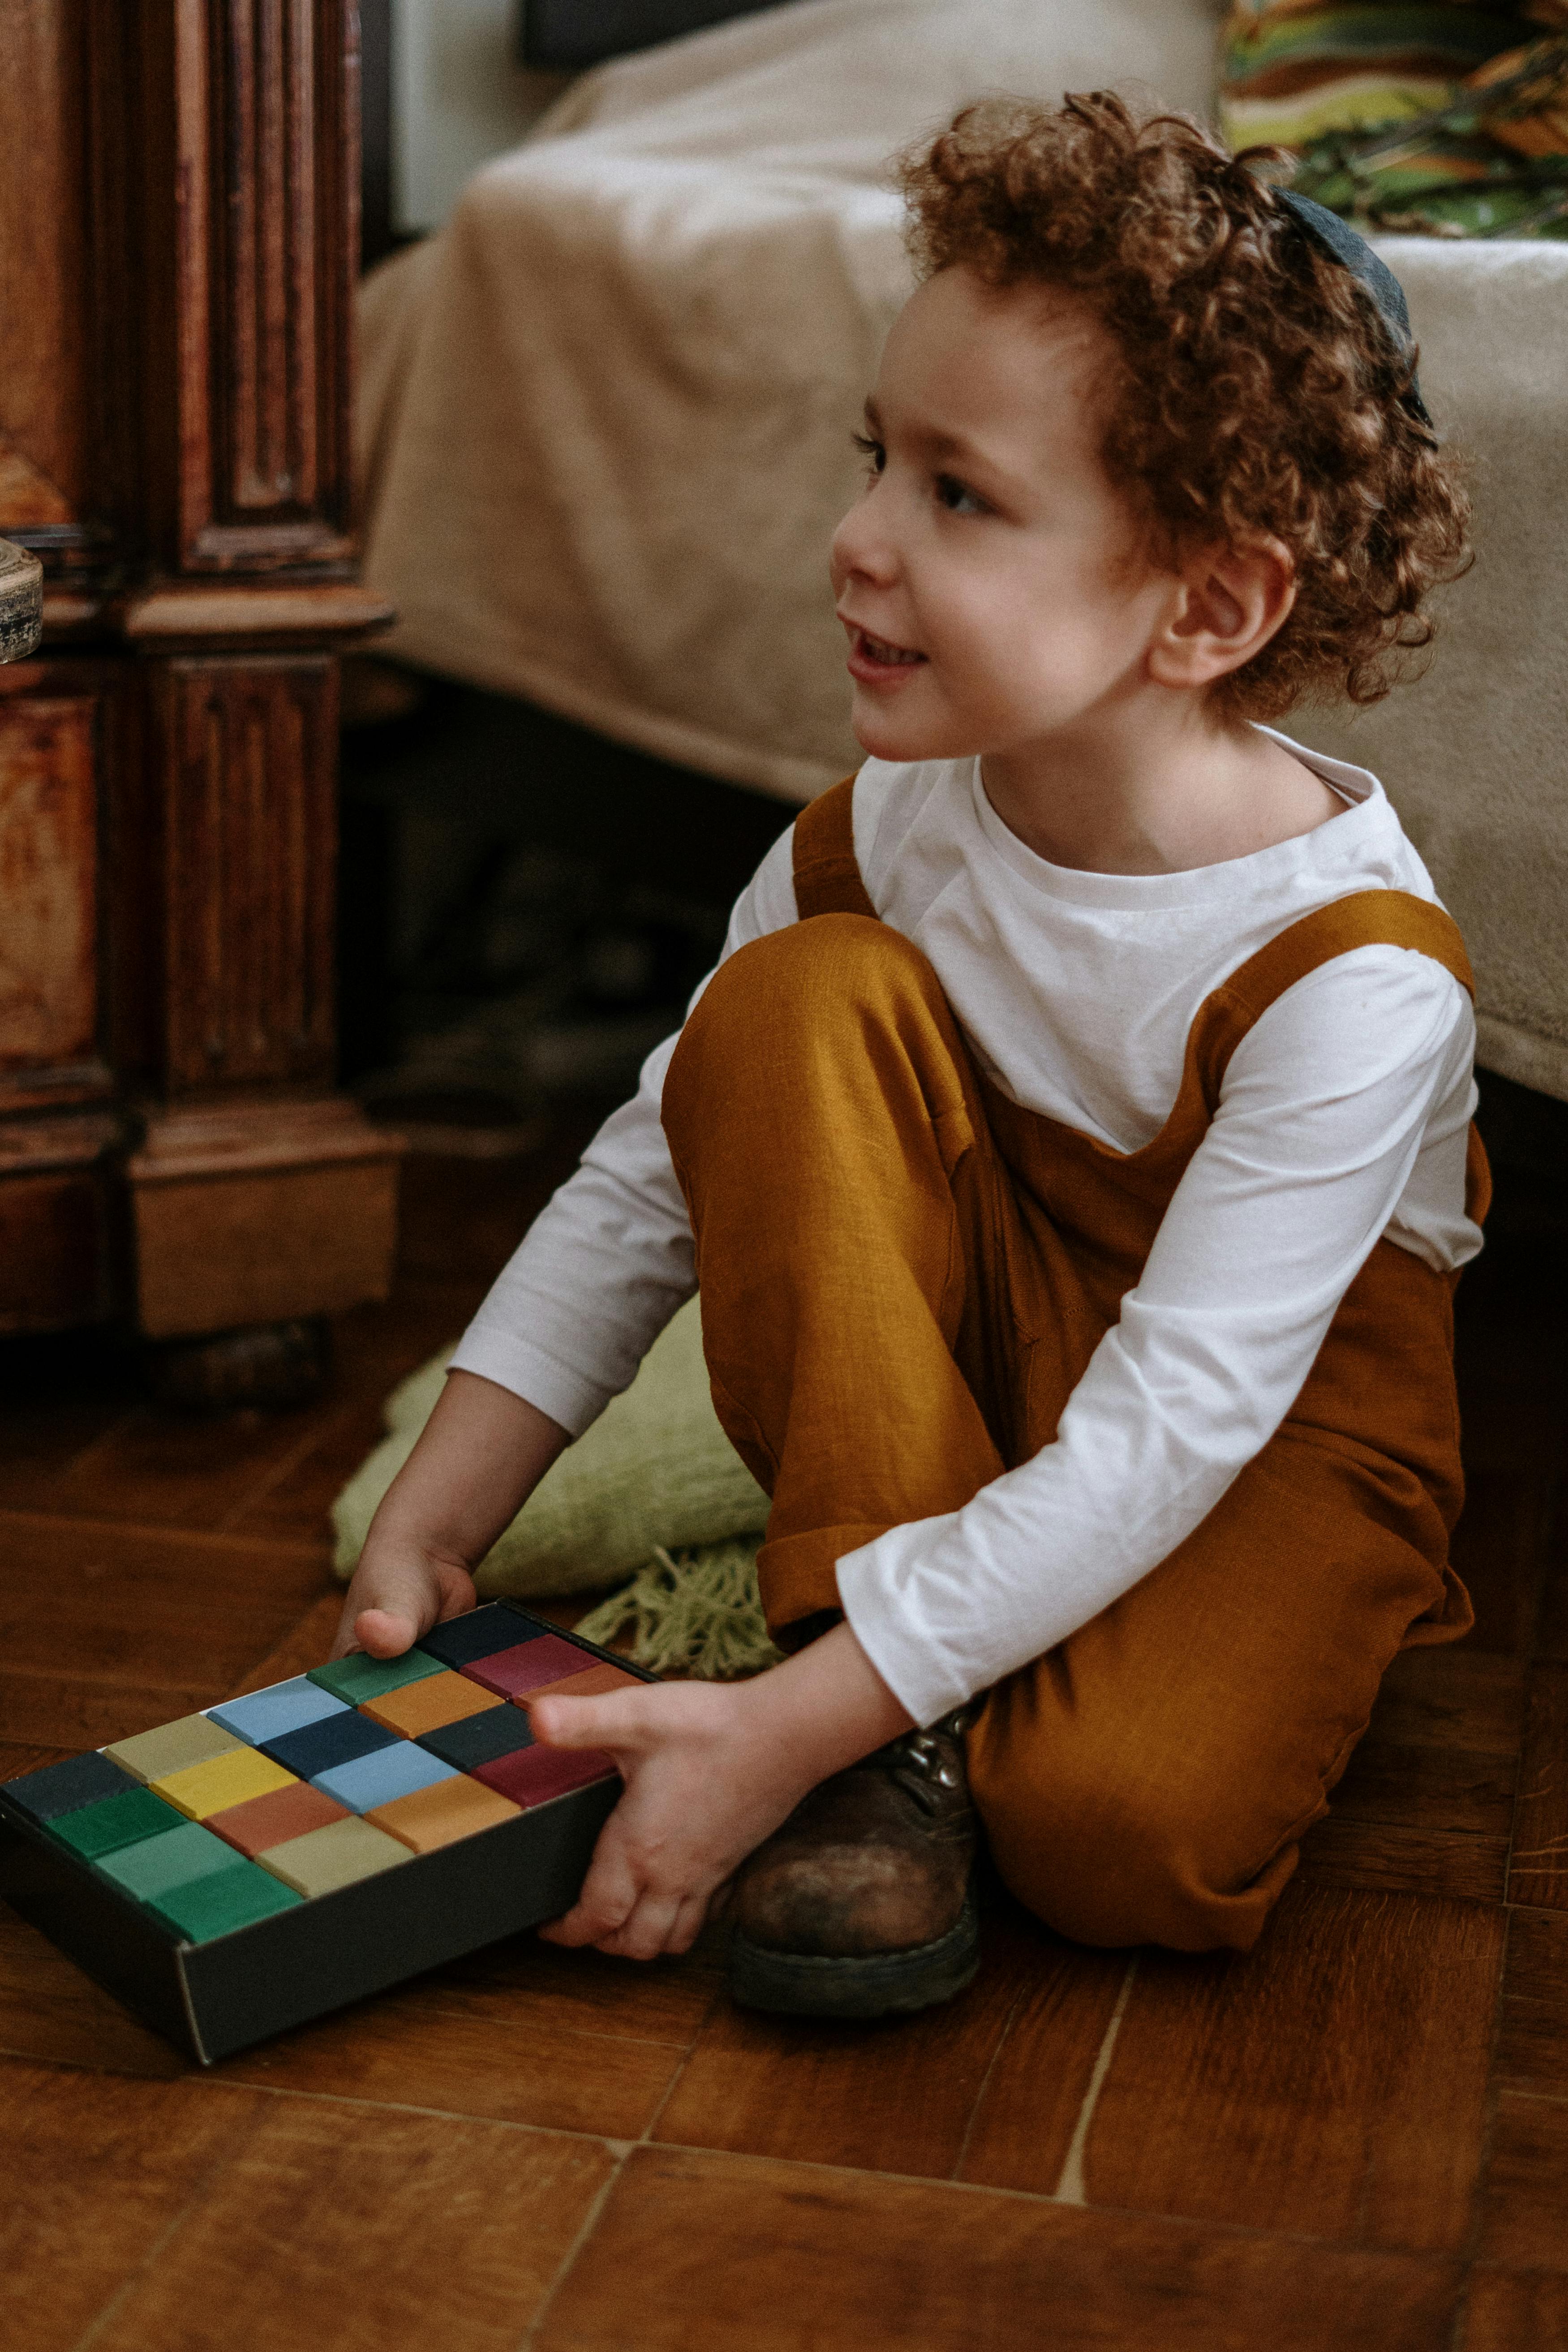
[458,99]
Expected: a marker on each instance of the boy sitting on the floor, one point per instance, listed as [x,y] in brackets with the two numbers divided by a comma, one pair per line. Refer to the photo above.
[1071,1148]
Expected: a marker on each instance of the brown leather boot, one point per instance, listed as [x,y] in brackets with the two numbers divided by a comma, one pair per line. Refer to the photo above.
[862,1903]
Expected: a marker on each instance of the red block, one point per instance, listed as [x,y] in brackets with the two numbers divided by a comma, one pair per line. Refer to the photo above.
[546,1659]
[531,1776]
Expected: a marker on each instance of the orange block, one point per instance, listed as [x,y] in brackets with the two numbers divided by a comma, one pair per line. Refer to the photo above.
[440,1814]
[592,1683]
[427,1705]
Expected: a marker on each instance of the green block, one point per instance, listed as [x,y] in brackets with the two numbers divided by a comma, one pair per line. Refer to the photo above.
[359,1677]
[228,1899]
[159,1864]
[114,1823]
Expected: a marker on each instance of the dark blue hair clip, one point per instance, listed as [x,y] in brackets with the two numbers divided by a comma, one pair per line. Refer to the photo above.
[1346,245]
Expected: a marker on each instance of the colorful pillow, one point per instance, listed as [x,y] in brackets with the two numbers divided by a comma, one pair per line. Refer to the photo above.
[1448,119]
[1293,69]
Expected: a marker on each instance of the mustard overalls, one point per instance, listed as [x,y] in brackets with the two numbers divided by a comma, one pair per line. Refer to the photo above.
[903,1277]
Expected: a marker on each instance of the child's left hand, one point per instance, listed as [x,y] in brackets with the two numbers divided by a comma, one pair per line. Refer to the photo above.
[711,1771]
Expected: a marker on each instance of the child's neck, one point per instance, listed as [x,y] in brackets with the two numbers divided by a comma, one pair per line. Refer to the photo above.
[1154,787]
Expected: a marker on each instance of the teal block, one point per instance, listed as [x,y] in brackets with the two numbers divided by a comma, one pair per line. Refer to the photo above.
[114,1823]
[159,1864]
[359,1677]
[226,1899]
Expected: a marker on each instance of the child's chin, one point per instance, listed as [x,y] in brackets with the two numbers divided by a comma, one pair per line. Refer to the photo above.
[883,735]
[901,735]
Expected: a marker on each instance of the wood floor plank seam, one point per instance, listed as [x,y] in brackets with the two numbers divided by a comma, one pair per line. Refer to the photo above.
[393,2107]
[1070,2188]
[568,2261]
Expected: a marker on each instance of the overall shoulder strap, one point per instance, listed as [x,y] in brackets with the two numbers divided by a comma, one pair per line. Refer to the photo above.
[1395,918]
[827,877]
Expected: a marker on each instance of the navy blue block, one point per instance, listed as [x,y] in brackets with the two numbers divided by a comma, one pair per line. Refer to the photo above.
[56,1789]
[480,1635]
[479,1739]
[321,1746]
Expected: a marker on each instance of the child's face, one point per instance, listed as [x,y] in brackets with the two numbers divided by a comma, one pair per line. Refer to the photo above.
[989,576]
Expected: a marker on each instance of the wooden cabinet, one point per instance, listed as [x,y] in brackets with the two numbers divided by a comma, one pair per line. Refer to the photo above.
[178,246]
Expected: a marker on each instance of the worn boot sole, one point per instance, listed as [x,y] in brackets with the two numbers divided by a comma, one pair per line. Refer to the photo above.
[878,1984]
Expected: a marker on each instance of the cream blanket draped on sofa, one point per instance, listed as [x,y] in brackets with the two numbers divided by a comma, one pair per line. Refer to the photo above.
[605,420]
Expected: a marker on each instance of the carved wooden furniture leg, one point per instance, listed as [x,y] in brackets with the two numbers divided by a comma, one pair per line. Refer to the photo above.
[175,443]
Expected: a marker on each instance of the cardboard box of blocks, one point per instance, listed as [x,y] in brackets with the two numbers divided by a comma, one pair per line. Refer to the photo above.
[240,1871]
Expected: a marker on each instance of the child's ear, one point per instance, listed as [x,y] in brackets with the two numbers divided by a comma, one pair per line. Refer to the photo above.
[1227,603]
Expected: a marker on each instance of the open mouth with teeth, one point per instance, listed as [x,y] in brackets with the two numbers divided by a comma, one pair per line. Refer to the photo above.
[871,658]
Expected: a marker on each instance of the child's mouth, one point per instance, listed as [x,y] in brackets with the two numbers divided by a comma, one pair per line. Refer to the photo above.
[875,661]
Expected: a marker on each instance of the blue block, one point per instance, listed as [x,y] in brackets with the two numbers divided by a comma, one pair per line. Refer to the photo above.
[336,1739]
[395,1772]
[266,1715]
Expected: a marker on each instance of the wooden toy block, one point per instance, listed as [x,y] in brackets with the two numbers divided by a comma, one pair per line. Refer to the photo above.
[592,1683]
[174,1748]
[223,1901]
[480,1739]
[325,1859]
[424,1707]
[114,1823]
[336,1740]
[175,1858]
[438,1815]
[268,1714]
[478,1634]
[358,1678]
[531,1776]
[544,1659]
[227,1780]
[269,1821]
[375,1779]
[64,1788]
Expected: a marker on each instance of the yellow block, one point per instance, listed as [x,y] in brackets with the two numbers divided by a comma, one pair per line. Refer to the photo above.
[227,1780]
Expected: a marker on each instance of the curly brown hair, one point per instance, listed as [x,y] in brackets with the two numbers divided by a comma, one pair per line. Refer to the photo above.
[1255,391]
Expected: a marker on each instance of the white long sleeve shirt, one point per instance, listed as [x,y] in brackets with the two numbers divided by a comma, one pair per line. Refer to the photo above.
[1342,1117]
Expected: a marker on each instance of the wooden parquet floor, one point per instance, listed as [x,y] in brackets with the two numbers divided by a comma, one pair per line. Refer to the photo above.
[1356,2136]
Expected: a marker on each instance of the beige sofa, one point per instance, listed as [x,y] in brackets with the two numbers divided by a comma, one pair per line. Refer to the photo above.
[604,427]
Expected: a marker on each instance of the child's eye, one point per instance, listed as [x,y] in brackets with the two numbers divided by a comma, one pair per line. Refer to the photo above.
[873,450]
[957,497]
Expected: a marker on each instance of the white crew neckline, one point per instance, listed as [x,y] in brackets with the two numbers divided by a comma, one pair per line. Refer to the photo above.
[1259,870]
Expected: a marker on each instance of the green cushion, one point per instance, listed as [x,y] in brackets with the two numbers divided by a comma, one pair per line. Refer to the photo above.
[655,1473]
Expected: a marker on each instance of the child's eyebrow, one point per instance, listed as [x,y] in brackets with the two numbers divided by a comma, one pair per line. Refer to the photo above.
[932,440]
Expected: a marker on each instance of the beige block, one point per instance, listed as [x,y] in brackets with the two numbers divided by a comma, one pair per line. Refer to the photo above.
[324,1860]
[174,1747]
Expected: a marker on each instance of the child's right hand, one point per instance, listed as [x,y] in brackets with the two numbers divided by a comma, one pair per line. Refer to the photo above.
[398,1593]
[479,1457]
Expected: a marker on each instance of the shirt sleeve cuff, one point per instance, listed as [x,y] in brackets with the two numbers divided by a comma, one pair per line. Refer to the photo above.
[540,1380]
[922,1678]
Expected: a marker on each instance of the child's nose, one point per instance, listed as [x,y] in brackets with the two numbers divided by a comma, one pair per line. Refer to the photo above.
[863,548]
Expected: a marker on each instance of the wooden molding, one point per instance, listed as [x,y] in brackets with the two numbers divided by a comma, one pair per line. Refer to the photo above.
[48,828]
[307,612]
[242,1139]
[248,754]
[260,1213]
[266,113]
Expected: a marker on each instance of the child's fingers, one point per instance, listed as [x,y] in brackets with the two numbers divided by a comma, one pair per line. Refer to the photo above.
[609,1896]
[610,1722]
[386,1633]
